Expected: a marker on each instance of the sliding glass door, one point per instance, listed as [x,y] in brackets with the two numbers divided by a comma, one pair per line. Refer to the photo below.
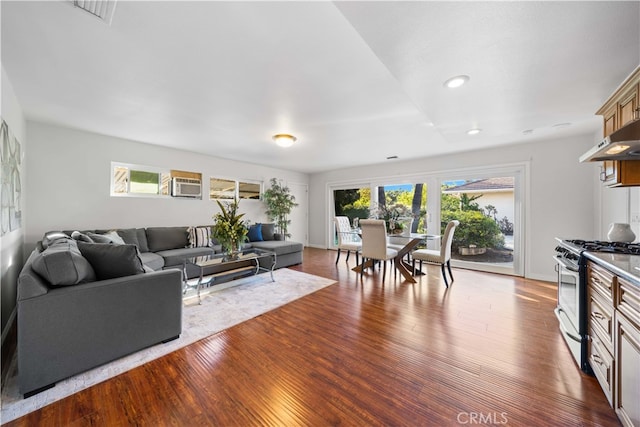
[488,208]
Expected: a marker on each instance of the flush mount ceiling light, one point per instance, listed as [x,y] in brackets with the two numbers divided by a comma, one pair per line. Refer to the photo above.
[474,131]
[284,139]
[456,81]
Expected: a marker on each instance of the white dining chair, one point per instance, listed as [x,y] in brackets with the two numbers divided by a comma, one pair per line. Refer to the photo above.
[348,240]
[441,257]
[374,244]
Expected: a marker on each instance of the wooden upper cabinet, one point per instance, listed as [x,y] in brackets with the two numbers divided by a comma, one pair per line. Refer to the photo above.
[628,105]
[619,110]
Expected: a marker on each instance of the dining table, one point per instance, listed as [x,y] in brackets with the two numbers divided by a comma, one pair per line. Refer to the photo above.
[410,240]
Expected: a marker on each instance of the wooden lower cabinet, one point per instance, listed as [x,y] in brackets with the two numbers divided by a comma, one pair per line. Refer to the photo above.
[627,395]
[614,345]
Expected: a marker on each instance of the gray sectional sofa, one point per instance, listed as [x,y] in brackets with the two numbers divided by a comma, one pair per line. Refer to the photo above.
[83,302]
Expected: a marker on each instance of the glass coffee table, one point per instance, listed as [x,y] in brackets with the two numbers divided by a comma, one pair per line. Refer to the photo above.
[214,267]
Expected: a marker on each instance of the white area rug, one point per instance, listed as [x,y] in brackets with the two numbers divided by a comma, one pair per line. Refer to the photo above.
[225,306]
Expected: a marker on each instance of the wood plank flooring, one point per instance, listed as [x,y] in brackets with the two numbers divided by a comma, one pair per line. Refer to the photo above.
[487,351]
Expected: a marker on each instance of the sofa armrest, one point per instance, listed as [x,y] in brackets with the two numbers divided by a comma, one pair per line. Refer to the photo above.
[72,329]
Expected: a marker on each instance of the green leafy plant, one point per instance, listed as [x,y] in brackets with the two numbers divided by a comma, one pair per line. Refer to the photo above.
[229,229]
[280,202]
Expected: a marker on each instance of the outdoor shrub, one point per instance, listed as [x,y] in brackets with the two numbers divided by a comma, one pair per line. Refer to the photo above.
[475,229]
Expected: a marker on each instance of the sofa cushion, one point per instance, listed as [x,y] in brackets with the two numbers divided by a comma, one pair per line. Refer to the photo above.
[200,237]
[111,261]
[176,257]
[129,235]
[280,247]
[62,264]
[164,238]
[152,260]
[268,230]
[143,245]
[255,233]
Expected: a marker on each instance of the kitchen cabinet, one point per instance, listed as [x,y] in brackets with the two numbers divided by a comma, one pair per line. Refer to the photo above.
[614,339]
[621,108]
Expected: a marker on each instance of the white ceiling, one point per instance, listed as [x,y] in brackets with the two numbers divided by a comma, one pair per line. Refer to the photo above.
[356,82]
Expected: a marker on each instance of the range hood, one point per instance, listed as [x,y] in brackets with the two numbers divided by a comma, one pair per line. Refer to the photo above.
[623,144]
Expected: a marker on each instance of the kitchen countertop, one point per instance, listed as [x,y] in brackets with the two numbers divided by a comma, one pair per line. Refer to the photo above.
[627,266]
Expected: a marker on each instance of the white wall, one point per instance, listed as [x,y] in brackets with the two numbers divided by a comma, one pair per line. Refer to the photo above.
[11,244]
[560,200]
[69,178]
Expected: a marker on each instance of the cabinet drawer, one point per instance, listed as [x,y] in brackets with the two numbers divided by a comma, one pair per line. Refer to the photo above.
[602,364]
[628,300]
[601,281]
[601,320]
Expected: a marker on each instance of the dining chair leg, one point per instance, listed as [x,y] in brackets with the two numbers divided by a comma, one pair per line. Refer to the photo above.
[348,253]
[444,275]
[338,257]
[357,261]
[362,268]
[384,269]
[449,268]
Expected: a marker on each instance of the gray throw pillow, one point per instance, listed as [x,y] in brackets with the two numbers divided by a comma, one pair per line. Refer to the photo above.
[62,264]
[99,238]
[111,261]
[52,236]
[267,231]
[130,236]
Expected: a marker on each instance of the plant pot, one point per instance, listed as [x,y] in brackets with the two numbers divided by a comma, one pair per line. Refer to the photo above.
[471,250]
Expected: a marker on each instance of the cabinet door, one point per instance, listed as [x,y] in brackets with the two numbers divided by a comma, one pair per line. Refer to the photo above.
[627,372]
[627,106]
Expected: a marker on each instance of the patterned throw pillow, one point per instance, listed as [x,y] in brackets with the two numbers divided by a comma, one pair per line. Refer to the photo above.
[200,237]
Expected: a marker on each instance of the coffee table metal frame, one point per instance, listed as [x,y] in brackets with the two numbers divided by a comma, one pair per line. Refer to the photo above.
[227,260]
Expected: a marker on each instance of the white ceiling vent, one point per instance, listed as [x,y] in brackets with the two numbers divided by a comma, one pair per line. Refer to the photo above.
[102,9]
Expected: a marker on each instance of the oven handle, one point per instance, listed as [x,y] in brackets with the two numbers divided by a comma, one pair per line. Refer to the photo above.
[560,314]
[565,265]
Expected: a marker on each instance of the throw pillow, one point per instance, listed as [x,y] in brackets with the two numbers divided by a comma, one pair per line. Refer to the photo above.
[200,237]
[115,238]
[268,230]
[99,238]
[111,261]
[81,237]
[255,233]
[62,264]
[52,236]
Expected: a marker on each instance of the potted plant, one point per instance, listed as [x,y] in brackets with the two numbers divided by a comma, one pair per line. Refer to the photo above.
[229,229]
[280,202]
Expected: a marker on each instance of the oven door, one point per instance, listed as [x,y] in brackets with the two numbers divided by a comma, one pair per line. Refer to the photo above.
[568,309]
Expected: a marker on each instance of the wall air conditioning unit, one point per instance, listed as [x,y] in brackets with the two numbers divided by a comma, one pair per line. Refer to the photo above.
[186,187]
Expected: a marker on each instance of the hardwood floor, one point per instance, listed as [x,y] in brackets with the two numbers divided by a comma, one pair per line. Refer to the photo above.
[484,352]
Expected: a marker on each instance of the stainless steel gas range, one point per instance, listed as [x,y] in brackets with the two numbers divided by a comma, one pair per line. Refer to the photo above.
[571,310]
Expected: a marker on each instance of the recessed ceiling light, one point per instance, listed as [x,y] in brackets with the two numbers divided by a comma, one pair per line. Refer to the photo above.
[456,81]
[392,157]
[527,132]
[474,131]
[561,125]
